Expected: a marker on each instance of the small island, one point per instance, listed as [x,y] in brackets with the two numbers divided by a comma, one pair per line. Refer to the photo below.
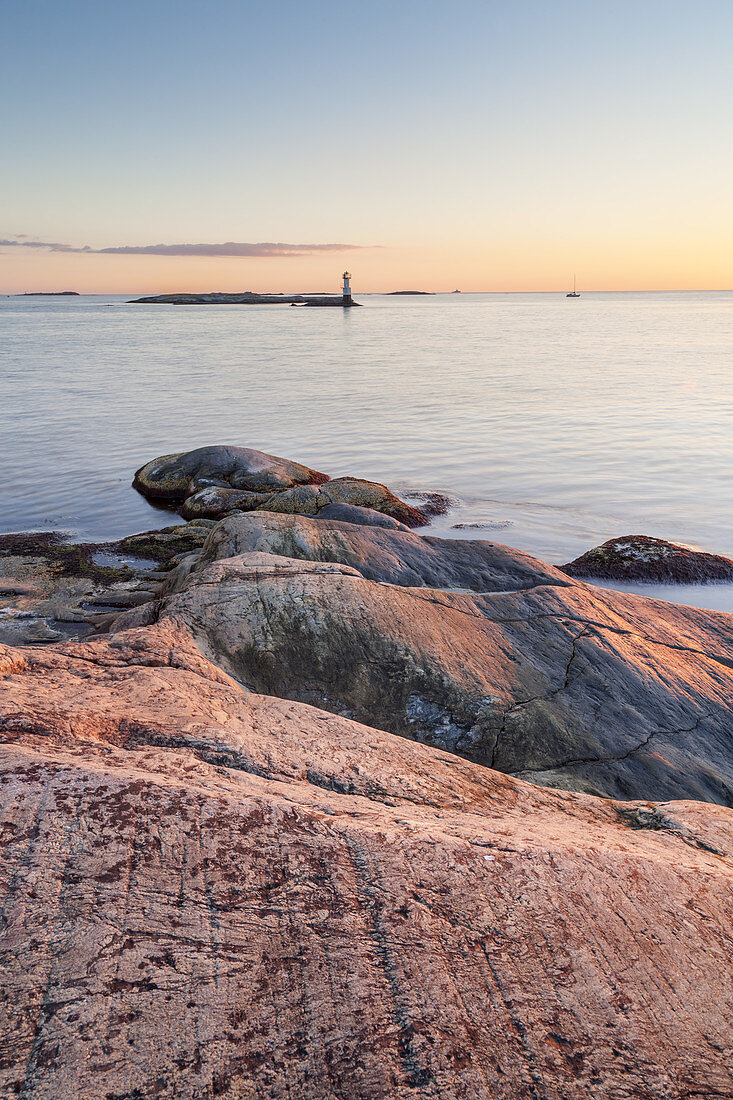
[251,298]
[248,298]
[411,292]
[49,294]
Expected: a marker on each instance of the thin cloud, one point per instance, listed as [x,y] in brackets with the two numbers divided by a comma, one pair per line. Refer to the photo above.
[229,248]
[20,242]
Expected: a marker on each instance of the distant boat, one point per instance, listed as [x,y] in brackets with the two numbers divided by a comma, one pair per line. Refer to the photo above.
[573,293]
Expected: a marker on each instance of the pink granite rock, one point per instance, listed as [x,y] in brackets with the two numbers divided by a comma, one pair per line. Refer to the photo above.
[209,893]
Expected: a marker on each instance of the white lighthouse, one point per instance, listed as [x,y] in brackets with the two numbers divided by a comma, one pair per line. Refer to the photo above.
[347,289]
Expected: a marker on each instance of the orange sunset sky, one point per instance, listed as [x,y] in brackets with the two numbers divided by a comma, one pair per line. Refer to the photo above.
[482,146]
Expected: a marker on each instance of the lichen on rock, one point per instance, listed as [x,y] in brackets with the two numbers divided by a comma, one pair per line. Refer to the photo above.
[641,558]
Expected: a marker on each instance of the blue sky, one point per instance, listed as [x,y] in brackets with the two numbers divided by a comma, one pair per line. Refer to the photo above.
[501,142]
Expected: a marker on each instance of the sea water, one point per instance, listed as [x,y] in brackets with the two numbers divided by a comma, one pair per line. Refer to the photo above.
[554,423]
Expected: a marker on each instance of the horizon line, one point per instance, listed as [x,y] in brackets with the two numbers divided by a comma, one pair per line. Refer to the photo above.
[416,293]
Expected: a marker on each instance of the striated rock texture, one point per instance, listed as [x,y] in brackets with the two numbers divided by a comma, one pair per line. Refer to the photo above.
[207,893]
[213,482]
[640,558]
[468,646]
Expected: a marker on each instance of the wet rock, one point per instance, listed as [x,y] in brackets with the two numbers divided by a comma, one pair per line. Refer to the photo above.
[433,504]
[52,589]
[213,502]
[213,482]
[175,477]
[558,682]
[308,500]
[169,542]
[640,558]
[212,893]
[21,627]
[483,525]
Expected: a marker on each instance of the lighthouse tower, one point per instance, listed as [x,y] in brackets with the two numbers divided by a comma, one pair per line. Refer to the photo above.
[347,300]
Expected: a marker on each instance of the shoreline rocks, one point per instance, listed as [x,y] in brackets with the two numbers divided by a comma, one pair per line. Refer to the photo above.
[212,482]
[177,476]
[641,558]
[207,892]
[468,646]
[52,589]
[221,877]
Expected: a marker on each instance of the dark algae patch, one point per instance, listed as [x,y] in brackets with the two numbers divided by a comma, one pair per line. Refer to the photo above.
[77,559]
[64,558]
[162,546]
[51,588]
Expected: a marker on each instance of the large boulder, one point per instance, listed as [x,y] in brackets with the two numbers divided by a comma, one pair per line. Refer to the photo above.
[393,555]
[175,477]
[640,558]
[210,893]
[558,682]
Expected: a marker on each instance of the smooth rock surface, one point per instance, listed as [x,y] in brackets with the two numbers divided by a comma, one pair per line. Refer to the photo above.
[640,558]
[364,517]
[558,682]
[207,893]
[395,556]
[175,477]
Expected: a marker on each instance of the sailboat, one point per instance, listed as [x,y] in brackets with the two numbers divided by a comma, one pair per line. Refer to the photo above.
[573,293]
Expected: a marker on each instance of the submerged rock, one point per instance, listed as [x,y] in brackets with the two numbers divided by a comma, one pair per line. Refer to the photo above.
[641,558]
[212,893]
[433,504]
[528,673]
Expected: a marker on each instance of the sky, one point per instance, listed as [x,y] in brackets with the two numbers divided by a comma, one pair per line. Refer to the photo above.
[472,145]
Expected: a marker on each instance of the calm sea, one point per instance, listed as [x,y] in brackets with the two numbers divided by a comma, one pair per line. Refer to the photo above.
[559,423]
